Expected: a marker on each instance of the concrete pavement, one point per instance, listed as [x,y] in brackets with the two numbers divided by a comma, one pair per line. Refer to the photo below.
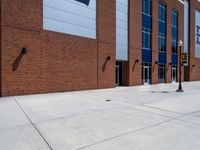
[125,118]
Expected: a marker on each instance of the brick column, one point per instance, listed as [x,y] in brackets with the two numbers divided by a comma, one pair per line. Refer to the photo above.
[193,72]
[135,42]
[180,8]
[106,39]
[168,45]
[154,41]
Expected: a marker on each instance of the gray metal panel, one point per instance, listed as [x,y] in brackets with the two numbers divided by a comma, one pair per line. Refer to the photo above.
[70,16]
[186,26]
[122,30]
[197,35]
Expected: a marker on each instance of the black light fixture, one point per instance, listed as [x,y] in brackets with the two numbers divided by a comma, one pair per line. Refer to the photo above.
[24,50]
[193,65]
[180,44]
[170,63]
[137,61]
[156,62]
[108,57]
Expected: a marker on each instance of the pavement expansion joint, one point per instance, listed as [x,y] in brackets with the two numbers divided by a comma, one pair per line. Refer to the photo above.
[16,100]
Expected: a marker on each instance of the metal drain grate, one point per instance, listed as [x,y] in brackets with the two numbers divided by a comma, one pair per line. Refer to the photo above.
[108,100]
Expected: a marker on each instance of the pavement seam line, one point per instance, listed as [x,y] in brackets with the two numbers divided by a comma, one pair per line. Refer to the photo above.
[153,107]
[143,105]
[76,115]
[131,132]
[193,123]
[16,100]
[194,116]
[132,108]
[135,131]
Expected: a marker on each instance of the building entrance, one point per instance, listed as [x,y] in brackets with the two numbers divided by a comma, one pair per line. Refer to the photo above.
[146,74]
[118,73]
[174,74]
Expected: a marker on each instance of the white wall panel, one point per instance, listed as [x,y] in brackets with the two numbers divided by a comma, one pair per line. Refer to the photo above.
[197,35]
[122,30]
[186,26]
[70,16]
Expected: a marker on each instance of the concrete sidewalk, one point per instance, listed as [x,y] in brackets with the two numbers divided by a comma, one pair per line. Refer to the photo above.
[125,118]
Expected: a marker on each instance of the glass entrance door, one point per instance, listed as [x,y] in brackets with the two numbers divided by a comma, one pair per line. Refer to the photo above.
[118,73]
[146,75]
[174,74]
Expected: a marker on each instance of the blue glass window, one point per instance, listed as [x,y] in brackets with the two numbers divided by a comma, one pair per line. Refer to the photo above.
[162,42]
[174,18]
[174,34]
[174,47]
[162,28]
[162,12]
[146,7]
[161,73]
[146,39]
[146,14]
[146,30]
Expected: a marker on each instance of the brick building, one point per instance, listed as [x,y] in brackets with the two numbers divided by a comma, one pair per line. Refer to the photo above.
[55,46]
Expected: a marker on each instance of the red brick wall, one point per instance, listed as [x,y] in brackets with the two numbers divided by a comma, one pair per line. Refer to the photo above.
[58,62]
[54,62]
[21,24]
[155,41]
[106,42]
[193,72]
[135,39]
[69,63]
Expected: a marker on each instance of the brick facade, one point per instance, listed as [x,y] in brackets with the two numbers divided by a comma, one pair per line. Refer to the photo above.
[193,71]
[57,62]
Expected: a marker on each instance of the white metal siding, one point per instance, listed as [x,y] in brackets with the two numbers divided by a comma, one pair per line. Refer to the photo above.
[70,16]
[197,37]
[122,30]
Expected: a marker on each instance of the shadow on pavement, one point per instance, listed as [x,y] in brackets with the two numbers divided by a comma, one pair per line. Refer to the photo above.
[164,92]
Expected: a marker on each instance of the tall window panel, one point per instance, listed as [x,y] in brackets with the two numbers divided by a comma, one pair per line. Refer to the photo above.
[161,73]
[162,11]
[122,30]
[174,34]
[146,38]
[174,44]
[146,30]
[197,35]
[186,25]
[76,17]
[162,28]
[146,7]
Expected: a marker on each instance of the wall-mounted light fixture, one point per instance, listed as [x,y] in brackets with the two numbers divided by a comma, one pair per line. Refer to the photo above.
[170,63]
[156,62]
[193,65]
[24,50]
[108,58]
[137,61]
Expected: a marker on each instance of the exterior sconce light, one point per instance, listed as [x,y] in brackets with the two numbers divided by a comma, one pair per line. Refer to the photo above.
[108,58]
[24,50]
[156,62]
[193,66]
[170,63]
[137,61]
